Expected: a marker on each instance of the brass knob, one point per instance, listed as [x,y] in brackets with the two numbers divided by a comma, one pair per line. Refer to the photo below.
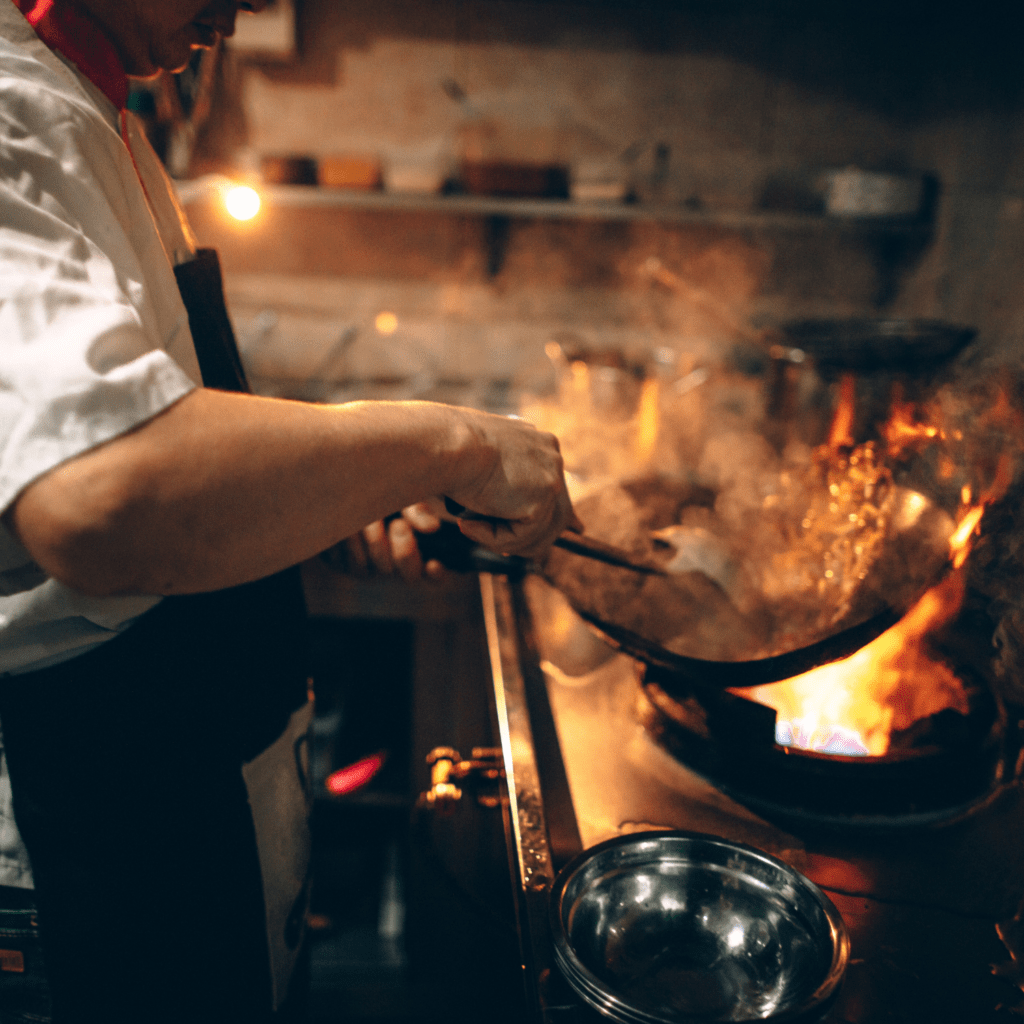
[447,767]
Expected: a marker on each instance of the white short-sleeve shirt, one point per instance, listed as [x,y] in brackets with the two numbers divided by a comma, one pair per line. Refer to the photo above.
[94,338]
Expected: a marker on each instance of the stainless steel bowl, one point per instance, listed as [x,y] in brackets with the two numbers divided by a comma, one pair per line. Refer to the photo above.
[680,928]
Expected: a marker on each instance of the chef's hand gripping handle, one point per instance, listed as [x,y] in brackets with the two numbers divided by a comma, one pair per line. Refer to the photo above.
[579,544]
[461,512]
[455,551]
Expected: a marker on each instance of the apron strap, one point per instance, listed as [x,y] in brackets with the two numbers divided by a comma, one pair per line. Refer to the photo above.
[202,290]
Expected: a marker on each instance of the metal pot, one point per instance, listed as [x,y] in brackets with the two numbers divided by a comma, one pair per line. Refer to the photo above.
[688,928]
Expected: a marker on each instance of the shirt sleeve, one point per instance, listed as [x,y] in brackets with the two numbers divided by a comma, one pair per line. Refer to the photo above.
[82,349]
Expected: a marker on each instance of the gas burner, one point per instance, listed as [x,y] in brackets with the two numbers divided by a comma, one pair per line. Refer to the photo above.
[936,771]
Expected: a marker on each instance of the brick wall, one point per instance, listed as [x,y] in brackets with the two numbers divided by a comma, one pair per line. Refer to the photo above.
[724,107]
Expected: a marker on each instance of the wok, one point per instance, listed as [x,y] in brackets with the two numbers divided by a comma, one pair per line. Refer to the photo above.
[867,344]
[919,559]
[886,359]
[757,671]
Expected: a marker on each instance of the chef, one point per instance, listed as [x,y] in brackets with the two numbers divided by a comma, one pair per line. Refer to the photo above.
[153,699]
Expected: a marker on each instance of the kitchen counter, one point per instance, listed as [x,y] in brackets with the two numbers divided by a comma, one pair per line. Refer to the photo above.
[921,901]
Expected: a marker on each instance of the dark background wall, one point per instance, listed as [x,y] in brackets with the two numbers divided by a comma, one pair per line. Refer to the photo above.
[723,108]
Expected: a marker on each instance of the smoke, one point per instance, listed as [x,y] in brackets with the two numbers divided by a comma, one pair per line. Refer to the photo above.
[799,535]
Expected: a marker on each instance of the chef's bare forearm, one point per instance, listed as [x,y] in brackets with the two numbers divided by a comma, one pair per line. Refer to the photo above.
[221,488]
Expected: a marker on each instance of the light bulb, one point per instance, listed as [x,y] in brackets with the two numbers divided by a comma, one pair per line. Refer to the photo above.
[242,202]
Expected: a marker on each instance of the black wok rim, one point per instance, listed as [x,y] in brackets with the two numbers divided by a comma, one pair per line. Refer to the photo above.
[732,674]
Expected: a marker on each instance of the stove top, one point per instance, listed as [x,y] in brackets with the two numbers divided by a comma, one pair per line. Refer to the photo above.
[921,897]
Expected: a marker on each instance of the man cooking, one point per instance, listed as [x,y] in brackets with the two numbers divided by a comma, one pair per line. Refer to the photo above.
[150,624]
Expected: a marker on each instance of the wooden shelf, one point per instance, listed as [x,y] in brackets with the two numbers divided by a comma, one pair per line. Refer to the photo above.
[307,197]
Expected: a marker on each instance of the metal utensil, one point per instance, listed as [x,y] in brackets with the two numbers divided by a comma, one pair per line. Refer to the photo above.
[686,928]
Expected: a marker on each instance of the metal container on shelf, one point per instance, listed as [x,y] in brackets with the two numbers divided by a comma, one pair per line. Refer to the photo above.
[854,192]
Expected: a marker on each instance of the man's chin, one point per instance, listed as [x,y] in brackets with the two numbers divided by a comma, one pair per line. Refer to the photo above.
[176,58]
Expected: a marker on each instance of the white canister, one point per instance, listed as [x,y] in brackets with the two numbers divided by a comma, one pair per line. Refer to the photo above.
[853,192]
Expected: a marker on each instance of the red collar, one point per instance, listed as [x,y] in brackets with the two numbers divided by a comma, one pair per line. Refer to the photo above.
[83,42]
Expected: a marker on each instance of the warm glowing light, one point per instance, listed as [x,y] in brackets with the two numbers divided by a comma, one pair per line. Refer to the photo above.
[608,419]
[647,420]
[354,776]
[242,202]
[841,433]
[914,506]
[904,429]
[580,377]
[959,546]
[386,323]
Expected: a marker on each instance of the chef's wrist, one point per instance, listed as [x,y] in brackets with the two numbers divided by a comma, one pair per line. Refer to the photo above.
[470,455]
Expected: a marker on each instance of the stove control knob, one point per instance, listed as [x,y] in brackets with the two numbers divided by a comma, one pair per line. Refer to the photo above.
[447,768]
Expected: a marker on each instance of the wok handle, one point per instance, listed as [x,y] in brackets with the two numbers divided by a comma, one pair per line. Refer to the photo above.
[461,512]
[577,543]
[455,551]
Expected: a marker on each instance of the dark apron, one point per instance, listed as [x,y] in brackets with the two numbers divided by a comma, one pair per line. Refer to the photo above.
[126,766]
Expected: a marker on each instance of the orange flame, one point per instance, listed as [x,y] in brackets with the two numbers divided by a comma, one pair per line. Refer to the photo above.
[959,542]
[854,706]
[647,419]
[903,427]
[887,685]
[840,434]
